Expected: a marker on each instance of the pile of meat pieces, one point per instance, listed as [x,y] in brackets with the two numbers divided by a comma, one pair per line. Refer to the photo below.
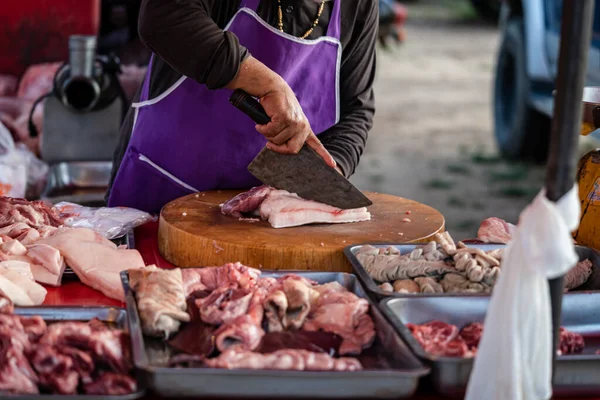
[443,266]
[440,266]
[240,314]
[63,357]
[446,340]
[284,209]
[35,248]
[17,98]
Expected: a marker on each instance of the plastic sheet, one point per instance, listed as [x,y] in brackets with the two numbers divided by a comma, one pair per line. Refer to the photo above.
[516,347]
[22,174]
[110,222]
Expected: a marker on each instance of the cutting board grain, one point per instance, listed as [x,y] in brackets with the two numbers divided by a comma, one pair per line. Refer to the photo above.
[192,232]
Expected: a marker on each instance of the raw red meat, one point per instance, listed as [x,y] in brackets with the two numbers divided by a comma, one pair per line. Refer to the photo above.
[495,230]
[240,334]
[33,213]
[472,334]
[441,339]
[284,209]
[246,202]
[570,342]
[55,370]
[211,278]
[195,338]
[223,305]
[16,374]
[8,85]
[37,81]
[344,314]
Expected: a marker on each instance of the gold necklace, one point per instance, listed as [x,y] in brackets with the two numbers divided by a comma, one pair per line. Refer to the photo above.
[312,28]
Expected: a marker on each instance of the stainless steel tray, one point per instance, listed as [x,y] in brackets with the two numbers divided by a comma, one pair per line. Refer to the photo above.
[111,315]
[576,375]
[399,382]
[593,283]
[78,182]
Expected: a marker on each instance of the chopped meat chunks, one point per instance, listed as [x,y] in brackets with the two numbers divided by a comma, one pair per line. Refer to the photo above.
[62,358]
[442,339]
[32,213]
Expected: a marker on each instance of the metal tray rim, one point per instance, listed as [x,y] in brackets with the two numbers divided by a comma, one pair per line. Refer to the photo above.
[369,283]
[408,338]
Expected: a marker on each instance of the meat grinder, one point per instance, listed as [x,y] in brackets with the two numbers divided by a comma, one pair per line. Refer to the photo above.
[588,173]
[82,118]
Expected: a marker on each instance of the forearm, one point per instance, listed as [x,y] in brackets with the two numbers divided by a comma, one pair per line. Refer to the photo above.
[256,79]
[184,35]
[346,141]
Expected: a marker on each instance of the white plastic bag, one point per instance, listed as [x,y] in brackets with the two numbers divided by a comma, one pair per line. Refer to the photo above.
[13,169]
[514,359]
[110,222]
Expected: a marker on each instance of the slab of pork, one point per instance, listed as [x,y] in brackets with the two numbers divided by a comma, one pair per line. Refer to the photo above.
[284,209]
[96,260]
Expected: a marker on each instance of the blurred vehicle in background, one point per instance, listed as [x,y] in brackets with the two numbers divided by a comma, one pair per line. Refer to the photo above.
[526,69]
[392,16]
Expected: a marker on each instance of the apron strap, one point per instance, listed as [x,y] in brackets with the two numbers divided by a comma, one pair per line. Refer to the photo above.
[145,93]
[333,29]
[251,4]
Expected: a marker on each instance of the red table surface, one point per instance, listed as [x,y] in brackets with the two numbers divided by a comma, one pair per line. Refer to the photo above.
[77,294]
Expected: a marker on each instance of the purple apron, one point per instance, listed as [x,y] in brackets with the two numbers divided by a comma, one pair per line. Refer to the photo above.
[192,139]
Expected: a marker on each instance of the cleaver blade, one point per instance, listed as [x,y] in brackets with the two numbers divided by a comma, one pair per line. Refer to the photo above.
[307,175]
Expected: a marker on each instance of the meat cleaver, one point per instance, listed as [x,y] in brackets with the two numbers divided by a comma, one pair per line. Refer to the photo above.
[305,173]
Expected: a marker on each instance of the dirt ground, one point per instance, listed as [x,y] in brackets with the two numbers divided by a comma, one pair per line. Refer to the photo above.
[432,139]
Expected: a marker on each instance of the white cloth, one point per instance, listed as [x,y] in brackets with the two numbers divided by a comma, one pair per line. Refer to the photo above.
[514,359]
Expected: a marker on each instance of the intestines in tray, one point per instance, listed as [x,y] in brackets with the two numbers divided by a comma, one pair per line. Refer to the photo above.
[442,266]
[442,339]
[238,319]
[67,358]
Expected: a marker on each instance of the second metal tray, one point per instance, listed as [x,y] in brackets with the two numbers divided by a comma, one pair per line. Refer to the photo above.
[575,375]
[110,315]
[399,381]
[593,283]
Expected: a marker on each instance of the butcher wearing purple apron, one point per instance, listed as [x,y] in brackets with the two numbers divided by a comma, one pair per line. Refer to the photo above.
[310,63]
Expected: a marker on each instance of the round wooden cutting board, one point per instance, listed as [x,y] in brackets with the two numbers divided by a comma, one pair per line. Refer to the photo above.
[192,232]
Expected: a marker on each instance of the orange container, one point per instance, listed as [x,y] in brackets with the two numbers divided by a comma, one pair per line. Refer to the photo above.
[37,31]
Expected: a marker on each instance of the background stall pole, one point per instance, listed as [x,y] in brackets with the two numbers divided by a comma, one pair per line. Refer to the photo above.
[576,32]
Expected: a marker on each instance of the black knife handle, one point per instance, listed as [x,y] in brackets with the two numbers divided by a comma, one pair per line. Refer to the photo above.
[249,106]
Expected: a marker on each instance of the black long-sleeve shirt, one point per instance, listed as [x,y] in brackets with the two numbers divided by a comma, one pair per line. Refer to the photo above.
[187,38]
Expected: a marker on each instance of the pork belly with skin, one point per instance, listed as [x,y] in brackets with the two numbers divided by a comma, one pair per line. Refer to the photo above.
[284,209]
[160,299]
[96,260]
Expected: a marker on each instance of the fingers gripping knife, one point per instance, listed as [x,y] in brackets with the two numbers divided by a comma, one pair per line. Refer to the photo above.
[305,173]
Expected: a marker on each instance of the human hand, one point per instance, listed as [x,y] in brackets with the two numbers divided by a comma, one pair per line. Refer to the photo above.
[289,128]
